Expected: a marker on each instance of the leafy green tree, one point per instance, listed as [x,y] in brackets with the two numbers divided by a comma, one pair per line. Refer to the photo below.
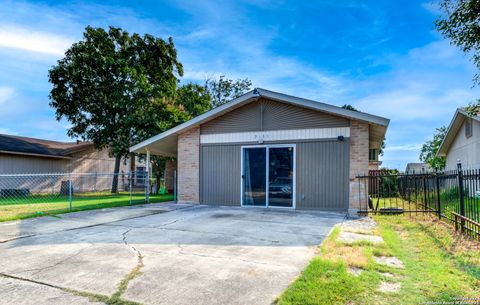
[193,99]
[222,90]
[381,150]
[116,89]
[430,149]
[460,24]
[349,107]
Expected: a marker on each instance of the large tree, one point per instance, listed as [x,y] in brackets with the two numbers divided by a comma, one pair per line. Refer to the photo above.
[460,24]
[430,149]
[116,89]
[222,90]
[193,99]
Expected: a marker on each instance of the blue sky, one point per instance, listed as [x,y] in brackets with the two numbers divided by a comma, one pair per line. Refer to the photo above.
[383,57]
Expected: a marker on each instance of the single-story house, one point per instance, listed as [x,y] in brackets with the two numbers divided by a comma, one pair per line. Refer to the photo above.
[24,155]
[462,141]
[268,149]
[417,168]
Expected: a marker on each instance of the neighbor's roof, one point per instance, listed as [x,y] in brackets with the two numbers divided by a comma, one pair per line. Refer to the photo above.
[453,128]
[417,167]
[166,142]
[17,145]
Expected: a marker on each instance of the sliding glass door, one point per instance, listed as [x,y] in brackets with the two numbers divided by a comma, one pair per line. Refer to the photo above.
[280,176]
[254,176]
[268,175]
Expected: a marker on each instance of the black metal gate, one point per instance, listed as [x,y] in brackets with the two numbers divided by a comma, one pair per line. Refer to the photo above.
[452,195]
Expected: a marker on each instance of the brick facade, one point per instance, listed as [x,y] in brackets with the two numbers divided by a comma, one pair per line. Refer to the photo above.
[359,142]
[188,165]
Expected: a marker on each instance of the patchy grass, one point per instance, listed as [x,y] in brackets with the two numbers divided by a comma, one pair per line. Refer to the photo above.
[123,285]
[440,266]
[42,206]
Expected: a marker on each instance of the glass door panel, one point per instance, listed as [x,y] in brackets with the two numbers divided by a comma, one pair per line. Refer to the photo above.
[280,176]
[254,176]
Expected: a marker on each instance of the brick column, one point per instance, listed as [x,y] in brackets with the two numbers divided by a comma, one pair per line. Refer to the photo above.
[188,165]
[359,143]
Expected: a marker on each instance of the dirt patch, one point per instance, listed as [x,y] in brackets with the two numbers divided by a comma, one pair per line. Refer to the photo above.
[350,238]
[389,261]
[387,274]
[352,256]
[388,287]
[364,225]
[355,270]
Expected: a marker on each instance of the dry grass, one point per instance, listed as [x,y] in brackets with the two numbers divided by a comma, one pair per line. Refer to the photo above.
[440,267]
[350,254]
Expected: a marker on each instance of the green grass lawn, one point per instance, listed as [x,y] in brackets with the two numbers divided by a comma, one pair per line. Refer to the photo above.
[34,206]
[439,266]
[472,205]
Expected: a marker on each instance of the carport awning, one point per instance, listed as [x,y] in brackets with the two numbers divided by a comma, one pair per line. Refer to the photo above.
[165,144]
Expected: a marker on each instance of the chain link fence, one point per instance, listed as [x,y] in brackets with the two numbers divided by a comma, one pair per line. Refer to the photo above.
[28,195]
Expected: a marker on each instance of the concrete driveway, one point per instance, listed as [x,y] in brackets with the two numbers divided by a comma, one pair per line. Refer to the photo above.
[158,254]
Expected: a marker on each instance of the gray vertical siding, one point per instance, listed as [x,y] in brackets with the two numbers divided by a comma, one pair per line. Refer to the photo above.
[271,115]
[321,172]
[245,118]
[322,175]
[282,116]
[220,174]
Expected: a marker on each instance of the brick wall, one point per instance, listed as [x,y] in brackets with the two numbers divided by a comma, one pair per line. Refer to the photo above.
[188,165]
[359,143]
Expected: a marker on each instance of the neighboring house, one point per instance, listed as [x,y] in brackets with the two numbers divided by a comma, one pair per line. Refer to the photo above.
[417,168]
[373,159]
[462,141]
[268,149]
[23,155]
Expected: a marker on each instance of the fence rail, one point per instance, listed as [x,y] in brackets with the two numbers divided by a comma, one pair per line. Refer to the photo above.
[22,195]
[452,195]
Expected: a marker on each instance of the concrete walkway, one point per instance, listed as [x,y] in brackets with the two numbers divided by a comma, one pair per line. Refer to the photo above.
[175,254]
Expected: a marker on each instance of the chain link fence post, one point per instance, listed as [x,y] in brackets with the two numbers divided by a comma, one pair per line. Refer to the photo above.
[175,186]
[130,178]
[70,190]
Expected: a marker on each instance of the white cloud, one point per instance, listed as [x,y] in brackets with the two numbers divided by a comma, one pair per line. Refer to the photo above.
[405,147]
[7,131]
[6,93]
[14,37]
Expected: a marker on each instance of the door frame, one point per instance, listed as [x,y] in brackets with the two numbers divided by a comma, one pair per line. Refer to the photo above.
[267,161]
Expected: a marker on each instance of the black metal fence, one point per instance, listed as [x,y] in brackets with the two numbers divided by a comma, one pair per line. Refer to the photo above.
[452,195]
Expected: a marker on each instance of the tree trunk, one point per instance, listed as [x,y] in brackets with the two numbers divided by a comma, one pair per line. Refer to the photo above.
[115,174]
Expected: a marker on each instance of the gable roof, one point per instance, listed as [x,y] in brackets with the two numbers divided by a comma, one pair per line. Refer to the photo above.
[17,145]
[169,137]
[452,131]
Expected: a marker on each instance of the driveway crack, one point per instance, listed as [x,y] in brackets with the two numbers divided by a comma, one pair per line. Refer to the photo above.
[135,272]
[92,297]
